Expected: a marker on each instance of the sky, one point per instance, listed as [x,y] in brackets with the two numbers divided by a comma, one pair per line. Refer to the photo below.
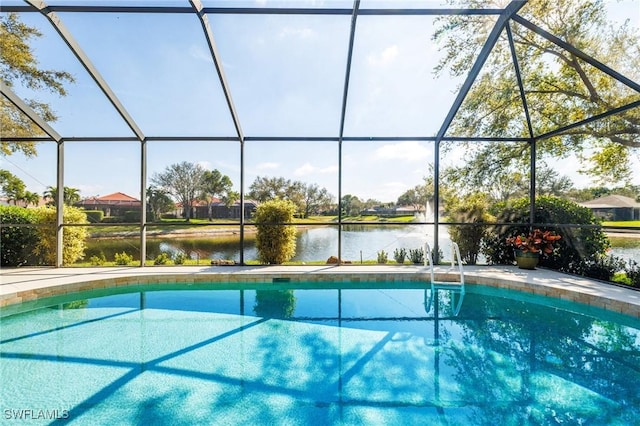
[286,76]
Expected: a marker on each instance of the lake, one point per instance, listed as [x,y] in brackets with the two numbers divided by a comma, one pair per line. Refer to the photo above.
[359,242]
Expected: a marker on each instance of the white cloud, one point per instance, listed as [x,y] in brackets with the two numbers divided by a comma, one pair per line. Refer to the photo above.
[385,57]
[407,151]
[307,169]
[204,164]
[198,53]
[291,32]
[267,166]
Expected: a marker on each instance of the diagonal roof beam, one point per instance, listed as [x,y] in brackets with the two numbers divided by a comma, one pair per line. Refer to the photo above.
[28,111]
[502,21]
[577,52]
[590,120]
[347,74]
[215,54]
[516,67]
[65,34]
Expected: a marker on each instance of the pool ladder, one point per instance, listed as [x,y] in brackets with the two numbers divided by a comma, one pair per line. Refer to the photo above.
[455,288]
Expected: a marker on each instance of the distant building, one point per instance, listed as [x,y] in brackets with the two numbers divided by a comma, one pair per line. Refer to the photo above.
[614,207]
[115,204]
[200,209]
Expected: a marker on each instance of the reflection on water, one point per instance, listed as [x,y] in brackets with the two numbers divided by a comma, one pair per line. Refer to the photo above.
[359,242]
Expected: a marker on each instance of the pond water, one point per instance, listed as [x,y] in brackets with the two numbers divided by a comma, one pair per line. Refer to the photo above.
[314,244]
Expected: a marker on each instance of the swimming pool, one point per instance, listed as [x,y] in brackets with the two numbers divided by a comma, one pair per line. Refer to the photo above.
[273,353]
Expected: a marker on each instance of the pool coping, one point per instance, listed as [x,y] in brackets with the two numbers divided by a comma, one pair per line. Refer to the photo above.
[18,285]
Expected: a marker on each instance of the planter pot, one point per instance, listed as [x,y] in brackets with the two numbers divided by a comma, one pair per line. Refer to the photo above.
[526,260]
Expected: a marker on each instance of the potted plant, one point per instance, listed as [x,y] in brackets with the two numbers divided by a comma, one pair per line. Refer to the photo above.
[528,247]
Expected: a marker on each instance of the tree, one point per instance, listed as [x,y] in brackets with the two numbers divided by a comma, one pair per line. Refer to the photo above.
[14,189]
[11,186]
[73,241]
[472,211]
[308,198]
[214,184]
[264,188]
[276,242]
[351,205]
[315,200]
[70,195]
[184,181]
[158,201]
[18,65]
[560,88]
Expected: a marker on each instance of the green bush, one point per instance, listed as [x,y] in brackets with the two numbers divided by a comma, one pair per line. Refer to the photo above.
[472,209]
[180,258]
[98,260]
[399,255]
[94,216]
[73,237]
[123,258]
[161,259]
[17,242]
[276,243]
[601,267]
[578,246]
[416,255]
[633,273]
[382,257]
[113,219]
[132,216]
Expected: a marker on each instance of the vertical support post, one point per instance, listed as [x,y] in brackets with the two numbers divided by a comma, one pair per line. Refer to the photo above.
[143,200]
[60,204]
[532,183]
[343,112]
[436,202]
[340,200]
[242,201]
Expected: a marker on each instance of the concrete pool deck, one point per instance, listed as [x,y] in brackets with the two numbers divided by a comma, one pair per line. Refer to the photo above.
[19,285]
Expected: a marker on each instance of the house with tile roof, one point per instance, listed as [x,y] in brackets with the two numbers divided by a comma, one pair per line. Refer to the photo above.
[115,204]
[614,207]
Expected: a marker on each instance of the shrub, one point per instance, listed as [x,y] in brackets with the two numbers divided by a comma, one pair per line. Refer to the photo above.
[94,216]
[73,237]
[472,209]
[180,258]
[113,219]
[98,260]
[382,257]
[578,244]
[17,242]
[276,243]
[399,255]
[161,259]
[123,258]
[601,267]
[131,216]
[416,255]
[633,273]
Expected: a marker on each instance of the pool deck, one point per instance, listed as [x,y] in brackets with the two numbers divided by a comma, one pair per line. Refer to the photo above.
[19,285]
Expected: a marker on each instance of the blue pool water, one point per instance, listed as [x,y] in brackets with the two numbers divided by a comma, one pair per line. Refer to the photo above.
[349,356]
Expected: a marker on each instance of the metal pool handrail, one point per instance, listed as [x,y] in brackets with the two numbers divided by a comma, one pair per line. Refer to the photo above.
[455,257]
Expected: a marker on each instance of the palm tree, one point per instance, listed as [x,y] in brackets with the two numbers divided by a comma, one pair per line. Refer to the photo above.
[70,197]
[30,198]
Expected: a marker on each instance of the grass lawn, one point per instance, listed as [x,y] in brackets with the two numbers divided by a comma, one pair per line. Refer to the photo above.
[622,223]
